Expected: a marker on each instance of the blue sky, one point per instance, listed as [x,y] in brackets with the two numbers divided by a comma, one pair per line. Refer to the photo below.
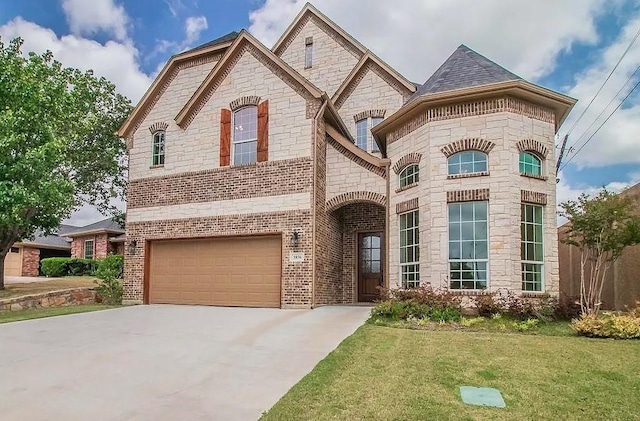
[566,45]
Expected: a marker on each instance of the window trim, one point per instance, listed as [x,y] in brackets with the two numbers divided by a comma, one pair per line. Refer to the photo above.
[522,243]
[233,136]
[473,163]
[534,156]
[404,177]
[487,260]
[416,262]
[160,141]
[93,249]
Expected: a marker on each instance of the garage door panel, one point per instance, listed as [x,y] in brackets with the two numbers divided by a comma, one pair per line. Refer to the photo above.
[231,271]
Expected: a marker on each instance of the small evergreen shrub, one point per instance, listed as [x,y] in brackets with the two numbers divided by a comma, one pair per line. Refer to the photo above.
[109,288]
[112,265]
[80,267]
[423,303]
[54,267]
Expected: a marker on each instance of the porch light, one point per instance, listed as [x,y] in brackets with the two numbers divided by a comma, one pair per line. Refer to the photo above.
[132,246]
[294,239]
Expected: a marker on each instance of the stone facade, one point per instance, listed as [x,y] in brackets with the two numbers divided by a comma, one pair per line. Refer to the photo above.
[68,297]
[315,181]
[501,185]
[30,261]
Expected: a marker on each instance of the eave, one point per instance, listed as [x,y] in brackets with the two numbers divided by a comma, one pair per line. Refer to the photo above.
[560,104]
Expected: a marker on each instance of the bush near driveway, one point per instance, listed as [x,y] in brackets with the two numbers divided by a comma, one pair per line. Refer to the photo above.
[109,287]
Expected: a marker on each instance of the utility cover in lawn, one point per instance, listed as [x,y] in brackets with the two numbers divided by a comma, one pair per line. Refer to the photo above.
[483,396]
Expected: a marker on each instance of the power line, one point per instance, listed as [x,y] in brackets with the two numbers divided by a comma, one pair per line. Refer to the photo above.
[603,123]
[584,133]
[605,81]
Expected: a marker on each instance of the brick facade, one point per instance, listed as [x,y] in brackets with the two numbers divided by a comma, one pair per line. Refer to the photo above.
[101,246]
[315,181]
[30,261]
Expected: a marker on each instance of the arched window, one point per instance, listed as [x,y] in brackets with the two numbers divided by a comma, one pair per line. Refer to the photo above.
[409,175]
[467,162]
[245,135]
[157,153]
[530,164]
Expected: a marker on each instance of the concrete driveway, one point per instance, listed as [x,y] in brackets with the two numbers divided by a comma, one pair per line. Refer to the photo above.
[26,279]
[163,362]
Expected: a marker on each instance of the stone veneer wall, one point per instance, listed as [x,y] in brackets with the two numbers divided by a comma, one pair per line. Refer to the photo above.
[68,297]
[505,184]
[30,261]
[297,277]
[333,59]
[356,218]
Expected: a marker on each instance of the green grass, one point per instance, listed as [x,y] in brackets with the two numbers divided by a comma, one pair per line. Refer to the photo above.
[38,313]
[382,373]
[28,288]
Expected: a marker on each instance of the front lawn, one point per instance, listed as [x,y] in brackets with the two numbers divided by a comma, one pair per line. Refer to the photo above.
[38,313]
[382,373]
[29,288]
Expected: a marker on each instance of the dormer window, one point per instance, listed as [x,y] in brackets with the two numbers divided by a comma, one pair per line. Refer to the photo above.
[157,154]
[308,52]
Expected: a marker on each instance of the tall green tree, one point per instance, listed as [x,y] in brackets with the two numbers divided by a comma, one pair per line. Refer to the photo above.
[601,226]
[58,148]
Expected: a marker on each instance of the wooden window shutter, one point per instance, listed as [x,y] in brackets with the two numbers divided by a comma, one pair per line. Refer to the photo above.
[263,131]
[225,137]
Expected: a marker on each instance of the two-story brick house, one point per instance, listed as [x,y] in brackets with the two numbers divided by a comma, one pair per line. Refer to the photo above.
[312,172]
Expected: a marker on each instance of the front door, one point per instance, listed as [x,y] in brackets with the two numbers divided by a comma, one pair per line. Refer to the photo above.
[369,265]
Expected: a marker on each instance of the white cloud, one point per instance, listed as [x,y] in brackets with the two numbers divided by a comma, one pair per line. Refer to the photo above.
[114,60]
[88,17]
[193,26]
[617,141]
[565,191]
[416,36]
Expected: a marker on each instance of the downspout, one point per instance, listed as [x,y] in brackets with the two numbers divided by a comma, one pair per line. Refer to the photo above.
[319,114]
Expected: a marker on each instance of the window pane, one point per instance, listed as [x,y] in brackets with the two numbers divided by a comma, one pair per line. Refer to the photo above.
[245,124]
[409,249]
[468,245]
[361,134]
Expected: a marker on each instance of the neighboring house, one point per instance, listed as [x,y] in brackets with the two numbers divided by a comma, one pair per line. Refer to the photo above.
[312,173]
[622,284]
[97,240]
[93,241]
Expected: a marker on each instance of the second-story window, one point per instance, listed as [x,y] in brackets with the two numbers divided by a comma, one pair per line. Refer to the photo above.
[364,139]
[157,154]
[308,52]
[245,135]
[362,134]
[409,176]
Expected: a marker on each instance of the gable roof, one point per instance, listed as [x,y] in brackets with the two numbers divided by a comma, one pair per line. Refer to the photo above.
[168,72]
[50,241]
[308,10]
[369,57]
[109,225]
[464,68]
[220,40]
[195,103]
